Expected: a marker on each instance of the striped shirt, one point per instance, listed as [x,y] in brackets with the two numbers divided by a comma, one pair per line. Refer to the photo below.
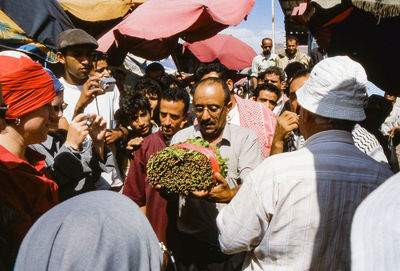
[294,211]
[375,234]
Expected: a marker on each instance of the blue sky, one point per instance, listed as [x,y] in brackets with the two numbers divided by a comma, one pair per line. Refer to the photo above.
[258,25]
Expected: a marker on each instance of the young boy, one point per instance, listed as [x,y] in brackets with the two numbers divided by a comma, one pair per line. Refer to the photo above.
[135,113]
[152,90]
[75,49]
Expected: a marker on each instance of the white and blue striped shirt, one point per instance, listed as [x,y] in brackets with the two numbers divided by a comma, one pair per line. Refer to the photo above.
[294,211]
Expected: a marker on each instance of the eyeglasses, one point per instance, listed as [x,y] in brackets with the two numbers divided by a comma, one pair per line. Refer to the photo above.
[212,109]
[3,110]
[59,108]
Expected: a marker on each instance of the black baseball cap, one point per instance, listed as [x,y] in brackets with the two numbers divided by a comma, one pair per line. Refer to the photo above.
[75,36]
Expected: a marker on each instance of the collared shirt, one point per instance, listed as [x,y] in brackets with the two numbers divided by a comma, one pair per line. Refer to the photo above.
[295,210]
[280,105]
[241,146]
[261,63]
[283,60]
[375,230]
[233,116]
[26,188]
[140,191]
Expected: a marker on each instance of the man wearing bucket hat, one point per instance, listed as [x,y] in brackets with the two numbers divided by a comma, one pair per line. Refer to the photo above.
[302,202]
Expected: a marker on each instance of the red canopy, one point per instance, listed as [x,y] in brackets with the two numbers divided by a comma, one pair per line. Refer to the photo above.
[152,30]
[230,51]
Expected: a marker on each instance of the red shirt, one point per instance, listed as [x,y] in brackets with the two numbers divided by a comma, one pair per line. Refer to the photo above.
[26,188]
[140,191]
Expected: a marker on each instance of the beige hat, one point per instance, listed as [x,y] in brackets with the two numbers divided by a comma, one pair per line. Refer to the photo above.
[335,89]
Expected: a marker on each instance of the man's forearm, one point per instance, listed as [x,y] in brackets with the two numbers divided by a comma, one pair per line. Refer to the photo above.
[98,147]
[277,146]
[254,82]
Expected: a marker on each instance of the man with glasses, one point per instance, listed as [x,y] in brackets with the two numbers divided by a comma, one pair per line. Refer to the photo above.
[243,112]
[197,215]
[263,61]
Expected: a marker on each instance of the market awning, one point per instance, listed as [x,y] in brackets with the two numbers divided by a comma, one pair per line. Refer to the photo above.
[364,30]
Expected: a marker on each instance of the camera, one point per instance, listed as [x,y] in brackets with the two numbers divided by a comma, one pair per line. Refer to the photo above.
[88,120]
[107,84]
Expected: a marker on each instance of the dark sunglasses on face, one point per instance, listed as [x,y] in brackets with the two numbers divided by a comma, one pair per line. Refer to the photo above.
[59,108]
[3,110]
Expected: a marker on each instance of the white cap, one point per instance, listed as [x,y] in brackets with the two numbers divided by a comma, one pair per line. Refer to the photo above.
[335,89]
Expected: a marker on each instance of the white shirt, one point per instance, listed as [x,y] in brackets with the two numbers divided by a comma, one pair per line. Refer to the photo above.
[375,234]
[233,116]
[261,63]
[280,105]
[294,211]
[393,120]
[107,103]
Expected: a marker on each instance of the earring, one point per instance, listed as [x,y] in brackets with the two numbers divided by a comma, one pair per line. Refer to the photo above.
[17,122]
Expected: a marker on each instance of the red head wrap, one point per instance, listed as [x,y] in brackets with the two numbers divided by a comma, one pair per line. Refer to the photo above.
[26,85]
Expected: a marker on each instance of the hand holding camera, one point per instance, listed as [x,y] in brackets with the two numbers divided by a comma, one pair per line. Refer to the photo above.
[89,91]
[77,131]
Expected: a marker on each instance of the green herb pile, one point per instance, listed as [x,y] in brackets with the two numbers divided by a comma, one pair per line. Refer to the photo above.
[182,171]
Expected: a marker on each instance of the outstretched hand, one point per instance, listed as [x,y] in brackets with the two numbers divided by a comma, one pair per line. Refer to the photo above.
[97,129]
[113,135]
[221,193]
[77,131]
[134,143]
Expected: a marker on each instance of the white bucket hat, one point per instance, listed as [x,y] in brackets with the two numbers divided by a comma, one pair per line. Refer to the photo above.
[335,89]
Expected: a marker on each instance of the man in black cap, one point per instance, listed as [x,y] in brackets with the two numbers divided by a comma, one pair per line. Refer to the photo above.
[75,50]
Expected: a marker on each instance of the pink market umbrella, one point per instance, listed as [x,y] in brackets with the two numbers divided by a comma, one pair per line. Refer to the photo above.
[230,51]
[153,29]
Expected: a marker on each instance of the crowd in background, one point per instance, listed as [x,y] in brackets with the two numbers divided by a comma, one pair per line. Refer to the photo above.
[306,146]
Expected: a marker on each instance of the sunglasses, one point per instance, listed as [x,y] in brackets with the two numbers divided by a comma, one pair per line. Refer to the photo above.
[3,110]
[59,108]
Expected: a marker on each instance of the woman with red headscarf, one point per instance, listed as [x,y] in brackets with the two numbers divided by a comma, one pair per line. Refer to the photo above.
[26,191]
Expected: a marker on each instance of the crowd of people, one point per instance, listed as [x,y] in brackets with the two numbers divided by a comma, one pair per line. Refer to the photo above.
[306,147]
